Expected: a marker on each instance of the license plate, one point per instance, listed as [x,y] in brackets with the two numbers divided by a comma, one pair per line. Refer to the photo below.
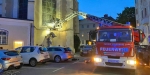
[113,61]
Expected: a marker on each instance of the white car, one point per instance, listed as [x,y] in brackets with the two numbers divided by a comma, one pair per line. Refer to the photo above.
[33,54]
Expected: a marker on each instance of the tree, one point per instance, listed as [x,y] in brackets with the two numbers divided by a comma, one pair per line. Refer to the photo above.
[108,17]
[127,15]
[92,35]
[76,43]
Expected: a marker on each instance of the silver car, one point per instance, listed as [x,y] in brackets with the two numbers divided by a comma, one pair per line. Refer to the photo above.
[59,54]
[10,59]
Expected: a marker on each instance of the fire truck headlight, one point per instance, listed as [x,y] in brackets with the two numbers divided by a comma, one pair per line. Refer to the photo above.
[131,62]
[96,59]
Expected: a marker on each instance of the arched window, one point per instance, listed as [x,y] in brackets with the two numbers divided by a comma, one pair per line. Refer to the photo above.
[3,37]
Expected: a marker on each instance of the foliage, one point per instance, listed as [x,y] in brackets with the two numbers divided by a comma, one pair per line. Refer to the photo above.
[92,35]
[127,15]
[76,43]
[108,17]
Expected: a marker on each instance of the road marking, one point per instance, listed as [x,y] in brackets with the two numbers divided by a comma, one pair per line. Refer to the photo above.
[58,69]
[39,68]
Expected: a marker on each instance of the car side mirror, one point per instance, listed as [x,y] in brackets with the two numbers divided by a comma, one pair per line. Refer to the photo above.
[139,36]
[142,36]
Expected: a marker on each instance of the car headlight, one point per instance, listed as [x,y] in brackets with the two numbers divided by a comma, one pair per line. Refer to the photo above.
[131,62]
[96,59]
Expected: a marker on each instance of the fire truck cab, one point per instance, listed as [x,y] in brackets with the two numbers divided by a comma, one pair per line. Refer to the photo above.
[115,46]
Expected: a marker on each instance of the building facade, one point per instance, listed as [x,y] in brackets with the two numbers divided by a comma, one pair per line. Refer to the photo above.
[43,12]
[142,11]
[15,33]
[84,28]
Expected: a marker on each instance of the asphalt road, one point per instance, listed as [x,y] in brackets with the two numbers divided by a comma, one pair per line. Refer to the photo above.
[78,67]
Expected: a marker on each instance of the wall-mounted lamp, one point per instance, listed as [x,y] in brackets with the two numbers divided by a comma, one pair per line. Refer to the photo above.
[47,31]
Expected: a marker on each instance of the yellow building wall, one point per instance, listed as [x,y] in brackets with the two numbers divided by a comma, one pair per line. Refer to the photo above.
[65,36]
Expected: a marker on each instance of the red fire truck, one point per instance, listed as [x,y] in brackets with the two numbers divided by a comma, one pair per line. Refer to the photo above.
[115,44]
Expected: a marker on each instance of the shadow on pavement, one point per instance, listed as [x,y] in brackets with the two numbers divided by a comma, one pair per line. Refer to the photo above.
[113,71]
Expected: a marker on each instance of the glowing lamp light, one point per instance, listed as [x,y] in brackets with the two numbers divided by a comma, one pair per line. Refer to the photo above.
[90,43]
[131,62]
[51,24]
[47,31]
[130,26]
[97,27]
[96,59]
[18,42]
[82,35]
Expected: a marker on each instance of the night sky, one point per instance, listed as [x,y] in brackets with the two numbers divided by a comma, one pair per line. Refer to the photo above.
[101,7]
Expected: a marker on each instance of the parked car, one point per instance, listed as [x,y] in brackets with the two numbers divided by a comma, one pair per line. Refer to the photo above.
[146,55]
[10,59]
[1,69]
[33,54]
[59,54]
[86,50]
[141,50]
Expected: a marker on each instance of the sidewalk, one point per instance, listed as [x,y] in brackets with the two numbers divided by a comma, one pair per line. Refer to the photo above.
[77,54]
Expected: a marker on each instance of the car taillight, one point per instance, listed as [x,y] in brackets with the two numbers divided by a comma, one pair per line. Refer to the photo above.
[5,58]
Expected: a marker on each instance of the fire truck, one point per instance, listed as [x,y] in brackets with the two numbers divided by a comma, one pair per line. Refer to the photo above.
[116,44]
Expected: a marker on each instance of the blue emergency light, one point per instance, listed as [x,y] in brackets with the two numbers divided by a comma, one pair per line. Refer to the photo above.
[128,23]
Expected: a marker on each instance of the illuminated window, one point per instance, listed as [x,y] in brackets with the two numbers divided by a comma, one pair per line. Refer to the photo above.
[3,37]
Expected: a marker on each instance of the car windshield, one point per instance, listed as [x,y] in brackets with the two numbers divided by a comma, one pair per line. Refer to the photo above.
[67,49]
[115,35]
[11,53]
[43,49]
[143,46]
[87,46]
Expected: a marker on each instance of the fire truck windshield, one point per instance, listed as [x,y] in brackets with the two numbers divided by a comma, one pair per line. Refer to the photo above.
[115,35]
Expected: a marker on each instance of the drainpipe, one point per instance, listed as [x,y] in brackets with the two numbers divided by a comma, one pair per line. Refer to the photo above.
[30,32]
[31,25]
[148,33]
